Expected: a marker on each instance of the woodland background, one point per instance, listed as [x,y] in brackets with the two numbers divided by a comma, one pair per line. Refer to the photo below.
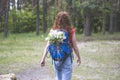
[87,16]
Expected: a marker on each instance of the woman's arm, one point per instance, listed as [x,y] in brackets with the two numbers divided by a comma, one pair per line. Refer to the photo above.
[75,48]
[44,55]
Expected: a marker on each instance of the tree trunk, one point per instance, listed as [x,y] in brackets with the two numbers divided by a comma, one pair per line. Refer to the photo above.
[118,22]
[87,27]
[104,18]
[18,4]
[115,22]
[0,8]
[14,17]
[37,18]
[7,6]
[78,24]
[0,13]
[111,28]
[74,16]
[44,16]
[70,9]
[33,3]
[104,24]
[69,6]
[58,4]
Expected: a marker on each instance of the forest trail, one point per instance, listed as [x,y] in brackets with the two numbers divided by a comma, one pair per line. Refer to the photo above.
[35,74]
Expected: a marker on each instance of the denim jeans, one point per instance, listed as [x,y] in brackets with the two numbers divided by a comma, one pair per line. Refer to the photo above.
[63,71]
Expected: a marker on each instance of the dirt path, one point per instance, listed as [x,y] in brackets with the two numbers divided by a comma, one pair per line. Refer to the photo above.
[35,74]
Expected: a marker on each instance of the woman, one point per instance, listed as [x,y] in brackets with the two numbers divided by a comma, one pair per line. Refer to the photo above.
[64,72]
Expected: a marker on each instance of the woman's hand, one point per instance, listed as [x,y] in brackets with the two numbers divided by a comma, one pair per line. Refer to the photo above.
[78,61]
[42,63]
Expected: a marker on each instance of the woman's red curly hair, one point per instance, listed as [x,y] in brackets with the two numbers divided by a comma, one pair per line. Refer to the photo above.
[62,21]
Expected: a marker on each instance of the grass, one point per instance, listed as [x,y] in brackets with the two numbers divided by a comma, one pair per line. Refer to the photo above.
[100,61]
[20,48]
[100,55]
[99,36]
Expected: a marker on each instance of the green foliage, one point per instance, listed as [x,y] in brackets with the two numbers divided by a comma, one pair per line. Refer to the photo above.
[22,21]
[91,5]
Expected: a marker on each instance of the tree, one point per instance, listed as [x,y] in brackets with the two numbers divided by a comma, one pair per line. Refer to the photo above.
[6,14]
[37,17]
[58,4]
[0,8]
[114,8]
[104,17]
[0,15]
[86,6]
[44,22]
[19,5]
[86,15]
[89,7]
[33,3]
[69,7]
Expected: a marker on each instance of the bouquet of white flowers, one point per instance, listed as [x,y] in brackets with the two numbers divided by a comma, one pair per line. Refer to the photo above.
[56,36]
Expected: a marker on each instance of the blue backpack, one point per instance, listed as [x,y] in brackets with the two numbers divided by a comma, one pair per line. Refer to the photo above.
[61,51]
